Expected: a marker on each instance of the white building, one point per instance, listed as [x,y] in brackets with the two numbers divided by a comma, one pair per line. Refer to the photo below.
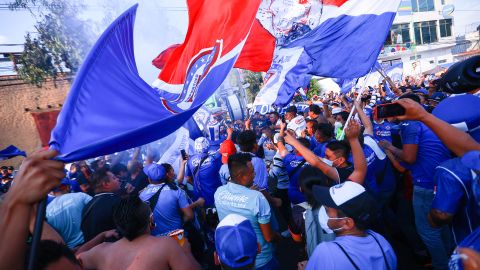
[420,37]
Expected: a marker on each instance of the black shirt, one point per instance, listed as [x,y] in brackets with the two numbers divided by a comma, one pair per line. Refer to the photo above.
[97,215]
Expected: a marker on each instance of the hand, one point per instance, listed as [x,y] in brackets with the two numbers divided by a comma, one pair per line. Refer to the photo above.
[38,175]
[302,265]
[289,137]
[110,234]
[254,187]
[353,130]
[247,123]
[413,110]
[385,144]
[129,188]
[200,202]
[309,102]
[229,131]
[282,126]
[303,134]
[470,258]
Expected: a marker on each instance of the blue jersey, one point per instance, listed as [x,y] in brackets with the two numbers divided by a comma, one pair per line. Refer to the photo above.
[291,162]
[431,152]
[206,178]
[251,204]
[471,241]
[328,255]
[384,131]
[167,213]
[454,195]
[379,178]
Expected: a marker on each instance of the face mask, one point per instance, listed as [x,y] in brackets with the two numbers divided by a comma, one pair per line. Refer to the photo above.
[327,161]
[323,219]
[338,125]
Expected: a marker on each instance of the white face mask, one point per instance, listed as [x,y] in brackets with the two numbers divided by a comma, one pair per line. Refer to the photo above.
[328,162]
[338,125]
[323,219]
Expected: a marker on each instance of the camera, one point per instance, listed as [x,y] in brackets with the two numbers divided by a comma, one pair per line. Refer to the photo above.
[461,77]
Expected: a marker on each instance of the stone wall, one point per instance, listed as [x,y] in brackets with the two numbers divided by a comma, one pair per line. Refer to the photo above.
[17,101]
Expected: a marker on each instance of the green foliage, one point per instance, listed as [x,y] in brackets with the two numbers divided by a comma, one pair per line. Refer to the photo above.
[61,42]
[314,89]
[255,80]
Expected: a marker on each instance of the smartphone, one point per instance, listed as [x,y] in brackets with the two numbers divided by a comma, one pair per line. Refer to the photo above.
[184,154]
[283,119]
[389,110]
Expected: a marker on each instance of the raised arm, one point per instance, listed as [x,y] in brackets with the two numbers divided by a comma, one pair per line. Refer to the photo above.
[456,140]
[363,117]
[311,158]
[359,162]
[37,175]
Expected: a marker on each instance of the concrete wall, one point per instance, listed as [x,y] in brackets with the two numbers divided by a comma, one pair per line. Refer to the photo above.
[17,101]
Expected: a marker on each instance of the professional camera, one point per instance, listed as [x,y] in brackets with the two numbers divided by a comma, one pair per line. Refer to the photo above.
[461,77]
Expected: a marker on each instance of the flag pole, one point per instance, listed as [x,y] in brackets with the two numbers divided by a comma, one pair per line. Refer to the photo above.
[358,98]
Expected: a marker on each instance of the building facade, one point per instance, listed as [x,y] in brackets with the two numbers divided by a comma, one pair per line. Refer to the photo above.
[422,36]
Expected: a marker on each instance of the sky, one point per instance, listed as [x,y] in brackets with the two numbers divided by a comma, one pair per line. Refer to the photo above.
[161,23]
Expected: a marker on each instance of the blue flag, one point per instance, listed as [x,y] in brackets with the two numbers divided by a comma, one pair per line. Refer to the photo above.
[10,152]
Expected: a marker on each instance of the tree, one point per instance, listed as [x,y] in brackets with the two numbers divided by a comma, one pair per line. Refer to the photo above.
[314,89]
[255,80]
[61,42]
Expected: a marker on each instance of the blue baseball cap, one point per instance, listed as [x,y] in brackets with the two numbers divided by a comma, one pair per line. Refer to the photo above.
[64,182]
[438,96]
[471,160]
[462,112]
[236,241]
[155,172]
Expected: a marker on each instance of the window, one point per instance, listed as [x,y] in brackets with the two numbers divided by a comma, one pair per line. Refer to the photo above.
[445,28]
[413,57]
[443,2]
[422,5]
[432,61]
[425,32]
[442,61]
[399,33]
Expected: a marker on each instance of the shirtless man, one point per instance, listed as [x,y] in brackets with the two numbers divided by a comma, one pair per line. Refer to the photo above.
[137,249]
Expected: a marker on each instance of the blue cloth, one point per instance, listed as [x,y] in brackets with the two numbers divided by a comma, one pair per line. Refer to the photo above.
[437,240]
[320,149]
[431,152]
[471,241]
[110,108]
[377,168]
[279,172]
[167,213]
[454,195]
[251,204]
[329,256]
[64,214]
[224,174]
[261,174]
[207,178]
[10,152]
[384,131]
[291,162]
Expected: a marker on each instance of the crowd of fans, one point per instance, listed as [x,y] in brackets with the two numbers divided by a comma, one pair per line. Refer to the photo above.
[341,190]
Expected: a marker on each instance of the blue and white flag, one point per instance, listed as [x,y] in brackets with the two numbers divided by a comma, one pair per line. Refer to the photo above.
[344,42]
